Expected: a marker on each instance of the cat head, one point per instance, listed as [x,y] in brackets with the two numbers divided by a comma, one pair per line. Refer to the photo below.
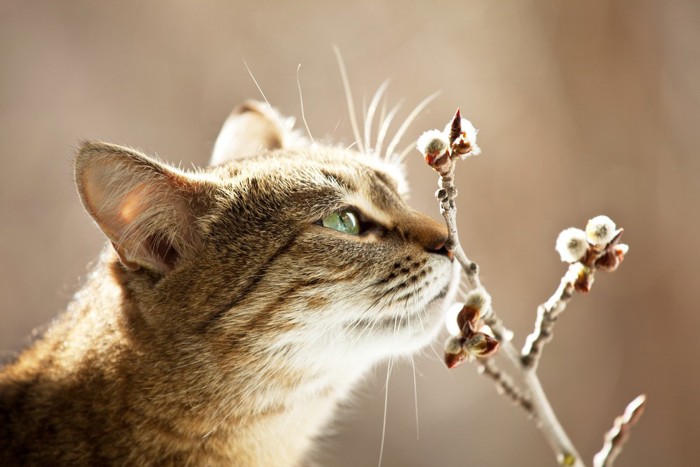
[281,248]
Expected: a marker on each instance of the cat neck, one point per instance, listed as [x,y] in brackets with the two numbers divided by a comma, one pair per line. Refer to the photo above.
[171,401]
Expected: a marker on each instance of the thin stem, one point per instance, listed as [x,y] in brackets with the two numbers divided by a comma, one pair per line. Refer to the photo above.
[441,151]
[554,432]
[542,409]
[505,385]
[618,434]
[547,314]
[446,195]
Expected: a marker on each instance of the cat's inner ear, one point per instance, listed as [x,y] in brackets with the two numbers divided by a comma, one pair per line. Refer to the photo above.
[251,128]
[145,208]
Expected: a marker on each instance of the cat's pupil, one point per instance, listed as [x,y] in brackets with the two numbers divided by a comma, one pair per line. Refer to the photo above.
[343,221]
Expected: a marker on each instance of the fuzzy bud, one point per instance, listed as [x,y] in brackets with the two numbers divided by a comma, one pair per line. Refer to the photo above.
[453,345]
[480,344]
[432,142]
[434,146]
[464,142]
[480,300]
[454,360]
[462,318]
[571,245]
[467,319]
[454,352]
[600,230]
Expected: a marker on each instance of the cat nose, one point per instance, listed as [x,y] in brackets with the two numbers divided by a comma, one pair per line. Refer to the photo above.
[430,234]
[440,249]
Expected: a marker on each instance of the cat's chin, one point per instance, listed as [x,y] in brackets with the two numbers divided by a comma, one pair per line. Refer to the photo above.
[433,323]
[404,331]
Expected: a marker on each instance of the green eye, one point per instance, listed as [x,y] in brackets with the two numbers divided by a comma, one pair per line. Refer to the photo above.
[343,221]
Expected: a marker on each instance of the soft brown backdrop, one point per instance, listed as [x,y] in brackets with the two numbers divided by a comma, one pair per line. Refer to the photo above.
[584,107]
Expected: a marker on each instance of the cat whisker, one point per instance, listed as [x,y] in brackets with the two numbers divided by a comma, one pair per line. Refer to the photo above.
[398,320]
[382,115]
[301,102]
[415,395]
[279,122]
[430,344]
[407,150]
[386,406]
[384,128]
[335,128]
[370,324]
[360,319]
[367,323]
[404,126]
[348,329]
[364,116]
[415,384]
[369,115]
[349,101]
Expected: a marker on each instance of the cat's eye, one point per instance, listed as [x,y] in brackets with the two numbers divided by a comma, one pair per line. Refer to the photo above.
[343,221]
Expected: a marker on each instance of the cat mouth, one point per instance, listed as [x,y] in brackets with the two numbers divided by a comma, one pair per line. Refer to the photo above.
[397,321]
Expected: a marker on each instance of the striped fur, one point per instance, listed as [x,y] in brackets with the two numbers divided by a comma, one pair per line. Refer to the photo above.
[222,325]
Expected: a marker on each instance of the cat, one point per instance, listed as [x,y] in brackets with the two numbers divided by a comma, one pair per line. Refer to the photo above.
[233,308]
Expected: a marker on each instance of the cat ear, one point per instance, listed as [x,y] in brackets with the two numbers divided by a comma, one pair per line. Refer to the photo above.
[145,208]
[252,127]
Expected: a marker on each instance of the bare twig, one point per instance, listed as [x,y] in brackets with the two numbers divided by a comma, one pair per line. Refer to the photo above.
[547,314]
[549,424]
[505,385]
[446,195]
[586,252]
[616,437]
[442,156]
[441,150]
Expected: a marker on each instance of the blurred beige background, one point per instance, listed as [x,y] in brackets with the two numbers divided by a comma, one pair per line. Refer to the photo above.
[584,107]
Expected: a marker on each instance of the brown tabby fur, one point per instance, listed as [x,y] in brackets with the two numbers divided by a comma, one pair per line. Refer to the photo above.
[223,325]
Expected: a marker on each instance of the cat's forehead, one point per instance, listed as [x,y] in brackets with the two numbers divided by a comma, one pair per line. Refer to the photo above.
[315,180]
[320,166]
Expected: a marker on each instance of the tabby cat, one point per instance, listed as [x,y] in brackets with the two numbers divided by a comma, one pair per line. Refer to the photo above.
[233,308]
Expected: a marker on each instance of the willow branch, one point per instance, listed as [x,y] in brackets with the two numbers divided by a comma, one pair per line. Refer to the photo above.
[547,315]
[505,385]
[587,252]
[441,154]
[617,436]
